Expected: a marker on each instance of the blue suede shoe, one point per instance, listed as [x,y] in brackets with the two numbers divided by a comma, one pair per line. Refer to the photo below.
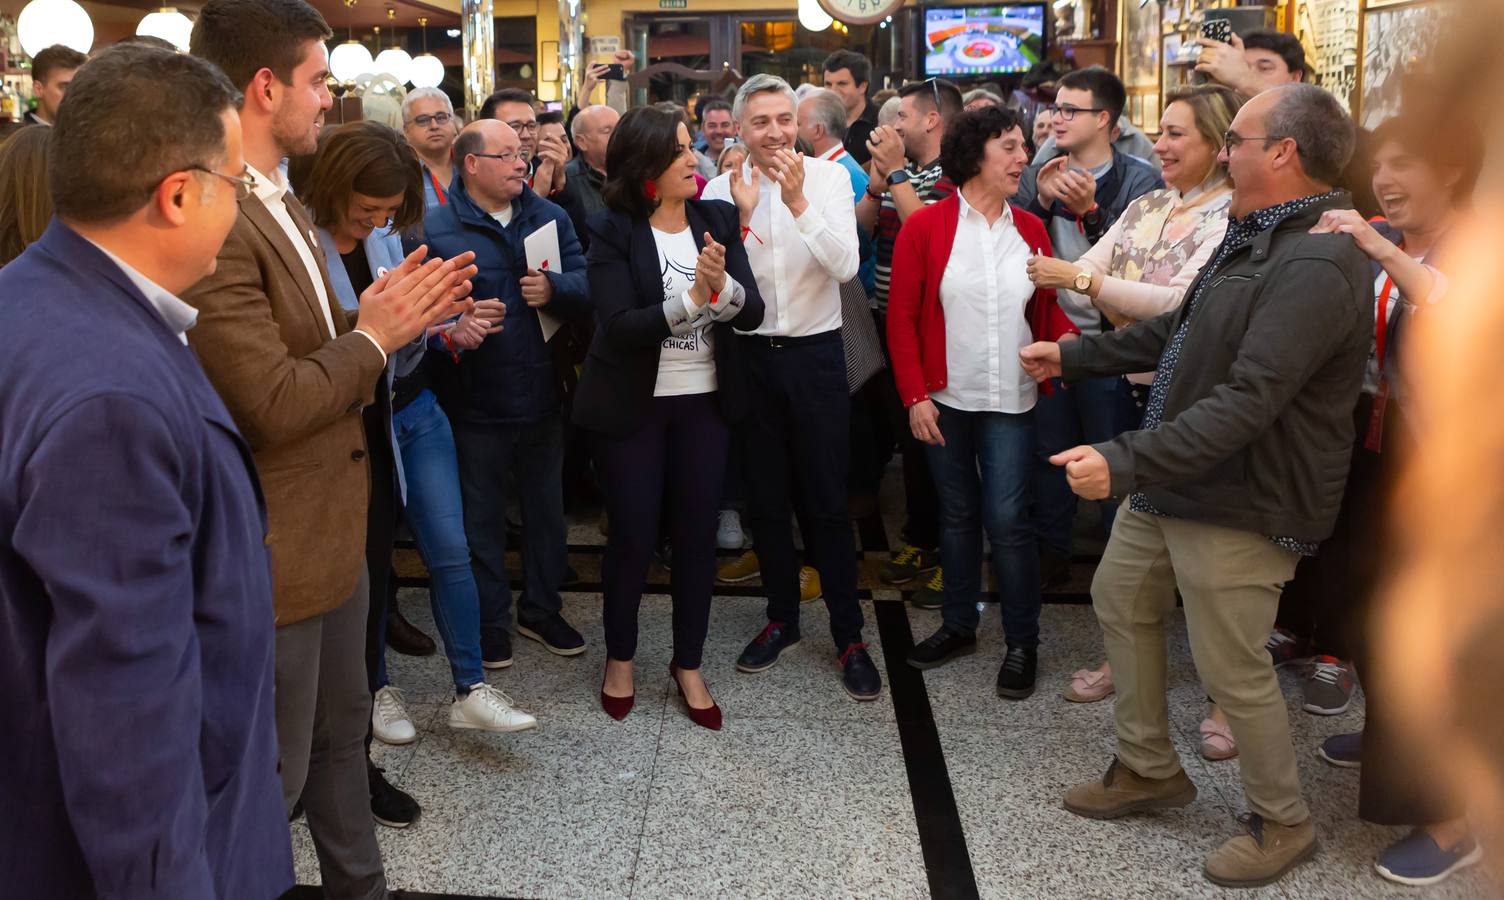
[1343,750]
[1416,860]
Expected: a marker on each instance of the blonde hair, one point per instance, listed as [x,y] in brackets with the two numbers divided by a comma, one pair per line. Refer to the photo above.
[1213,106]
[25,204]
[729,151]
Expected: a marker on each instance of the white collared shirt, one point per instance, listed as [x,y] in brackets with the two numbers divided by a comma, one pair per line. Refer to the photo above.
[985,293]
[271,192]
[800,263]
[178,315]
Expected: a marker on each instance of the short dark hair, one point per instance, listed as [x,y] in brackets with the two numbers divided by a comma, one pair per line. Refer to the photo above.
[1107,91]
[1417,134]
[1324,134]
[706,107]
[150,39]
[58,57]
[506,95]
[550,117]
[642,147]
[950,96]
[965,142]
[135,114]
[1286,46]
[359,157]
[855,63]
[243,37]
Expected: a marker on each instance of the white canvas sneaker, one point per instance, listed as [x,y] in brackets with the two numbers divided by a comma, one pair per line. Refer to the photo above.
[729,534]
[487,709]
[390,722]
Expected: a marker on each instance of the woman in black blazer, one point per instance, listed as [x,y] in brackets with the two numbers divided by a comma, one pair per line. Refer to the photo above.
[661,385]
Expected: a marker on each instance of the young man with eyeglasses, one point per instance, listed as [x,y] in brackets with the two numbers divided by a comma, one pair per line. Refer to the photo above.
[504,403]
[1079,194]
[430,126]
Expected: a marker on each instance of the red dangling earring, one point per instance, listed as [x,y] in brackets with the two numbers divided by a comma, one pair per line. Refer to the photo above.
[650,188]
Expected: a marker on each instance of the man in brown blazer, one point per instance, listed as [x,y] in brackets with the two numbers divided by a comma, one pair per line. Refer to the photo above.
[294,372]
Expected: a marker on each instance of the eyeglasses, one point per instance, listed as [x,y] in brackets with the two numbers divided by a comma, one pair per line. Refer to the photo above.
[504,157]
[520,127]
[1068,113]
[245,185]
[435,119]
[1233,140]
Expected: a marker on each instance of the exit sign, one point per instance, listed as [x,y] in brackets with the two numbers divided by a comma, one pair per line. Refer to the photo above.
[673,4]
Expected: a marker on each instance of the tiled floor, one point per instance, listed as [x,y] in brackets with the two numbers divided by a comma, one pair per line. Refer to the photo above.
[806,793]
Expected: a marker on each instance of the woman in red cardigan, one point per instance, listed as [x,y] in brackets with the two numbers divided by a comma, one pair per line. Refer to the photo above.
[960,307]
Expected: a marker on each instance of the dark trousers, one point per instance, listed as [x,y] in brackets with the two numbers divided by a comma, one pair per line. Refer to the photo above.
[532,454]
[1089,411]
[871,437]
[1397,786]
[798,441]
[670,471]
[921,505]
[381,536]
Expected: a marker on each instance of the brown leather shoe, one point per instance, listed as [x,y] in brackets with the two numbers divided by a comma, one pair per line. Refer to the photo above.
[405,637]
[1122,791]
[1263,855]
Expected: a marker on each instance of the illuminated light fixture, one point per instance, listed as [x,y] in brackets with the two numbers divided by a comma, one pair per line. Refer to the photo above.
[44,23]
[812,17]
[395,62]
[350,60]
[453,32]
[427,70]
[169,25]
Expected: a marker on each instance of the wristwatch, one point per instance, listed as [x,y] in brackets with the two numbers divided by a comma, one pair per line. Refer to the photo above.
[1083,281]
[897,177]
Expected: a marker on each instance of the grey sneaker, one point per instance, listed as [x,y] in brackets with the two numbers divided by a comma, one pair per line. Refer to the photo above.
[1329,692]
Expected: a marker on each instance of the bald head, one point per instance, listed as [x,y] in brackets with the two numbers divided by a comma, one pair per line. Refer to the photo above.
[487,155]
[591,131]
[1288,142]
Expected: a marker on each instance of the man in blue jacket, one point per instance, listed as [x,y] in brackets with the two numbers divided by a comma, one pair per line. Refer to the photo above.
[135,585]
[504,401]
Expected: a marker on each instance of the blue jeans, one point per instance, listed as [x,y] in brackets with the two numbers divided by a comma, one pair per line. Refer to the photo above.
[436,516]
[1001,446]
[1089,411]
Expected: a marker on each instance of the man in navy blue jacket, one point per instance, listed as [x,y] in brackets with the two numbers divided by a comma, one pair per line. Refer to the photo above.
[504,401]
[136,628]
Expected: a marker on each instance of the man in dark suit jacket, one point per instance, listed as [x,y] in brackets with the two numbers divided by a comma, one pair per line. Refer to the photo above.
[135,586]
[295,371]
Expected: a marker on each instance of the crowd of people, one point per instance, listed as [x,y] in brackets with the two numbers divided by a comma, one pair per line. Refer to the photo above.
[249,347]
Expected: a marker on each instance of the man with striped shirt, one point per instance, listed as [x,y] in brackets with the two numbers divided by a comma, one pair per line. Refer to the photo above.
[906,177]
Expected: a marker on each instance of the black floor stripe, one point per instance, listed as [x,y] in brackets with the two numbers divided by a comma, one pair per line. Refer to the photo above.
[314,892]
[942,839]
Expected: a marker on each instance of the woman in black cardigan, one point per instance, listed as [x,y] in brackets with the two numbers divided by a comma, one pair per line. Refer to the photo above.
[662,383]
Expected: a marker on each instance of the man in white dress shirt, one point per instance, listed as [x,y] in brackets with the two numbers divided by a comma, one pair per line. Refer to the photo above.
[800,236]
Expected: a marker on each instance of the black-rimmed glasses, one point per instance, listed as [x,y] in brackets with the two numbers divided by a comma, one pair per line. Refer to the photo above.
[1233,140]
[245,185]
[504,157]
[1068,113]
[435,119]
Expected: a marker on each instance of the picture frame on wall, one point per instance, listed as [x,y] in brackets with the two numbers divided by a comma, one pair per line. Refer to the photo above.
[1397,38]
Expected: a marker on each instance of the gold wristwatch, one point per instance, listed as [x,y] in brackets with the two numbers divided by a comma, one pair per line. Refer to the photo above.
[1083,281]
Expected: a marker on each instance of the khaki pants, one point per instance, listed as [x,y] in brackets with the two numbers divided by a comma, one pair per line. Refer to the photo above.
[1230,581]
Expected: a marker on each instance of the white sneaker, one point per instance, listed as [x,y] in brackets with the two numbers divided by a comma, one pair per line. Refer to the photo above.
[729,535]
[390,722]
[487,709]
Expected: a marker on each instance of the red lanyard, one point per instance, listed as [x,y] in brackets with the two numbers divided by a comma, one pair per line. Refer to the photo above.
[438,189]
[1381,318]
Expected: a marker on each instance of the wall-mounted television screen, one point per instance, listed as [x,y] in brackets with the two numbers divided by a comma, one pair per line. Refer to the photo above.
[962,41]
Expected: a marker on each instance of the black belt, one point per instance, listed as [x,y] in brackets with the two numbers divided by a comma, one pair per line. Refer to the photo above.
[776,342]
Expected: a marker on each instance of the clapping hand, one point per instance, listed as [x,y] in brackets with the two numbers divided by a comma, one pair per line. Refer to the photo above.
[787,171]
[886,146]
[467,332]
[401,304]
[744,192]
[1073,187]
[554,155]
[710,272]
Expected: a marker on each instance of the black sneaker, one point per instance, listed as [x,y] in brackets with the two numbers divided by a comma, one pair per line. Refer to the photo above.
[1054,569]
[495,648]
[390,806]
[1015,680]
[858,674]
[942,647]
[405,637]
[763,652]
[554,633]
